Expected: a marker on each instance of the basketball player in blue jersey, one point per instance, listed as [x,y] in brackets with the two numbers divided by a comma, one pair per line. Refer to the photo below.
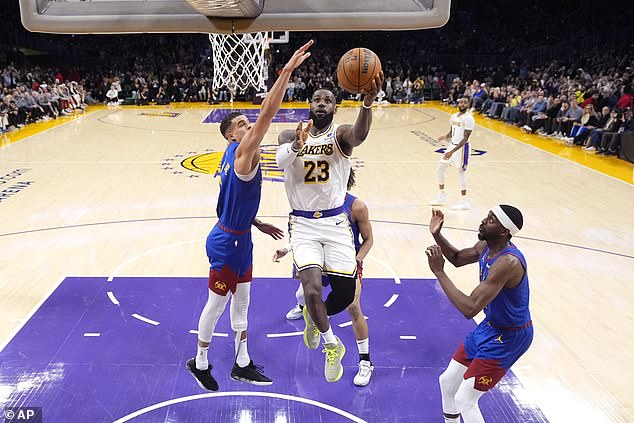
[359,218]
[316,169]
[503,293]
[229,245]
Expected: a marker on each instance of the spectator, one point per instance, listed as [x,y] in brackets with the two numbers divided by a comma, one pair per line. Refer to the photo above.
[580,130]
[112,96]
[604,121]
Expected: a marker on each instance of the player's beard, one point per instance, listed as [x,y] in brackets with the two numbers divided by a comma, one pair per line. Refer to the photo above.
[487,236]
[321,122]
[482,234]
[463,108]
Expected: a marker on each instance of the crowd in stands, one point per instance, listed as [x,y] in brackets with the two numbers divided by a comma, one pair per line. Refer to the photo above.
[589,108]
[493,53]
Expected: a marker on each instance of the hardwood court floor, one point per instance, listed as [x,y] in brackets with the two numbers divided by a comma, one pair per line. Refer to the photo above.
[105,194]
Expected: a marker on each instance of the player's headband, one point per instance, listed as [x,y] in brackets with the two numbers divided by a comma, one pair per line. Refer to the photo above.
[505,220]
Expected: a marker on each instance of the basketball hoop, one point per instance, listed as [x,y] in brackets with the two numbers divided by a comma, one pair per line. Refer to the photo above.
[239,61]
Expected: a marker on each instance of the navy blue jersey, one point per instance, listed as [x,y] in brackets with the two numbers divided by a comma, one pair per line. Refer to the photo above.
[238,200]
[510,307]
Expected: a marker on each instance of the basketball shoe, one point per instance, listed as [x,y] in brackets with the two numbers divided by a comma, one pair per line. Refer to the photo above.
[365,372]
[294,313]
[334,354]
[462,205]
[250,374]
[203,377]
[439,201]
[311,332]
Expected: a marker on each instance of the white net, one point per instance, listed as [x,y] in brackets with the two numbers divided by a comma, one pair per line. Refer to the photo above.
[239,60]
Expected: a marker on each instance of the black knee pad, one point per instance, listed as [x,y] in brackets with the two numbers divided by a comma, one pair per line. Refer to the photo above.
[342,293]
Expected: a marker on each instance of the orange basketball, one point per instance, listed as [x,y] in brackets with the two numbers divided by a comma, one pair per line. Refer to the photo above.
[357,68]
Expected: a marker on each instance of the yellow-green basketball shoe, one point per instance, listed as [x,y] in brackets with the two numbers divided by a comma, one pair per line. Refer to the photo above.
[334,353]
[311,332]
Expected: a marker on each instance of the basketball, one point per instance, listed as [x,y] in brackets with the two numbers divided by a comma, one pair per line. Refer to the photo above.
[357,68]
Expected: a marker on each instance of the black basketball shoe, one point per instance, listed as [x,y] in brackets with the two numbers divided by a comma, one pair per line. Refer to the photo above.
[203,377]
[250,374]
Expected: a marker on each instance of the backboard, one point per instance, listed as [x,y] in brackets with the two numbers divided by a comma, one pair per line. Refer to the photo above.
[227,16]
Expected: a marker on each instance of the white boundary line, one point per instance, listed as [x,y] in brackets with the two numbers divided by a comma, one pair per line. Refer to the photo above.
[145,319]
[391,300]
[282,335]
[408,337]
[31,313]
[349,323]
[92,334]
[112,297]
[244,394]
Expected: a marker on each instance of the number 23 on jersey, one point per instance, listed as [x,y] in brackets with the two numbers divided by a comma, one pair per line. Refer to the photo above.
[316,172]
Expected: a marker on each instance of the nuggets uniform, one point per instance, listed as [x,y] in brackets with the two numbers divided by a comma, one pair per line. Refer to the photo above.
[504,335]
[315,183]
[229,244]
[460,123]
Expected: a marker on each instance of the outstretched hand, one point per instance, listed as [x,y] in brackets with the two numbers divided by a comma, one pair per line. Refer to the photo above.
[279,254]
[437,219]
[371,94]
[435,259]
[301,135]
[272,230]
[299,56]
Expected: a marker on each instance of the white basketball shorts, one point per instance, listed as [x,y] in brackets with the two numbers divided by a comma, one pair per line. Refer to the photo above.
[326,243]
[459,159]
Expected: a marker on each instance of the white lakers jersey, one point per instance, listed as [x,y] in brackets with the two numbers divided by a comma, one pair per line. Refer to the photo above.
[460,123]
[318,177]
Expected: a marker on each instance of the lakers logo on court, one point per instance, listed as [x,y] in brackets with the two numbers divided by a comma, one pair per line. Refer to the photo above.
[209,163]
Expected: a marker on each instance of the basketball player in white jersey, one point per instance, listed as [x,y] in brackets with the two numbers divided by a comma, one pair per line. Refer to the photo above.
[316,167]
[457,154]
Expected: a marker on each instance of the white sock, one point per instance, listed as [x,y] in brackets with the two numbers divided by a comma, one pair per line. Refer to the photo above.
[441,193]
[329,337]
[242,352]
[466,400]
[450,381]
[364,346]
[299,294]
[201,358]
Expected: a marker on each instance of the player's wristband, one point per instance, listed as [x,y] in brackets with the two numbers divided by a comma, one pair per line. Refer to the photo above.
[366,107]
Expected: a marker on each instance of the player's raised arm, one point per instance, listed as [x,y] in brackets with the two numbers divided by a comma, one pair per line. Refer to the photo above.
[350,136]
[456,257]
[248,153]
[290,143]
